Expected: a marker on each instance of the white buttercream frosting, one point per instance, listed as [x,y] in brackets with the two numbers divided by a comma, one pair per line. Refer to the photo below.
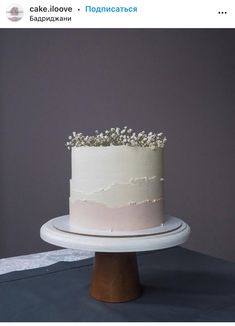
[117,177]
[95,168]
[119,194]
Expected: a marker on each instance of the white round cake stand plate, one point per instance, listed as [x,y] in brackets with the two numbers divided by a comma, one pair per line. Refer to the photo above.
[115,271]
[51,234]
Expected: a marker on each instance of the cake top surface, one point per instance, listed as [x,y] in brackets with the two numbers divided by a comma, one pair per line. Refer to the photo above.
[116,137]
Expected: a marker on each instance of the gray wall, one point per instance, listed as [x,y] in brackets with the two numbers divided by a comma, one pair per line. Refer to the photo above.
[180,82]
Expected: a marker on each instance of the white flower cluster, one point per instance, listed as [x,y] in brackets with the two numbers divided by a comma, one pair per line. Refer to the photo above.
[117,136]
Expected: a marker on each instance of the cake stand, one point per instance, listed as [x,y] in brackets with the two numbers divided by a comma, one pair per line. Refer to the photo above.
[115,275]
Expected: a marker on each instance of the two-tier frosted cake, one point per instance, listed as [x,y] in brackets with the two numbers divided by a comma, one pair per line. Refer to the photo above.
[117,180]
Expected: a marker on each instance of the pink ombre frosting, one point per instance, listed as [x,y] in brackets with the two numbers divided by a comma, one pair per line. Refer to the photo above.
[93,215]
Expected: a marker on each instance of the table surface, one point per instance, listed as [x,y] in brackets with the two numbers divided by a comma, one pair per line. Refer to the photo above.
[178,285]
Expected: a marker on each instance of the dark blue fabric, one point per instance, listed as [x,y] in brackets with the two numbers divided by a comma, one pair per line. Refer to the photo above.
[178,285]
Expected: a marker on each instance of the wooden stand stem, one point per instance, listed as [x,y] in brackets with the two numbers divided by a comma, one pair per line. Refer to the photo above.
[115,277]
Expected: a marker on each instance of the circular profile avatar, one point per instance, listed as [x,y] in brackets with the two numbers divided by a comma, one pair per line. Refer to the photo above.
[15,13]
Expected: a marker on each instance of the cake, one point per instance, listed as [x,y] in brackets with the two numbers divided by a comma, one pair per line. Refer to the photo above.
[116,180]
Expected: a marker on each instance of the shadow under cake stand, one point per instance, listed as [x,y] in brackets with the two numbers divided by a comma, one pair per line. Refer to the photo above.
[115,275]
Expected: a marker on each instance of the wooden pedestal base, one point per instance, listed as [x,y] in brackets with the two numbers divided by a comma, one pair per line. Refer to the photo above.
[115,277]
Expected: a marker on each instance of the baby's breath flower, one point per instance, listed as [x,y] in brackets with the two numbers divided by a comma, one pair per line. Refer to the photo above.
[115,137]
